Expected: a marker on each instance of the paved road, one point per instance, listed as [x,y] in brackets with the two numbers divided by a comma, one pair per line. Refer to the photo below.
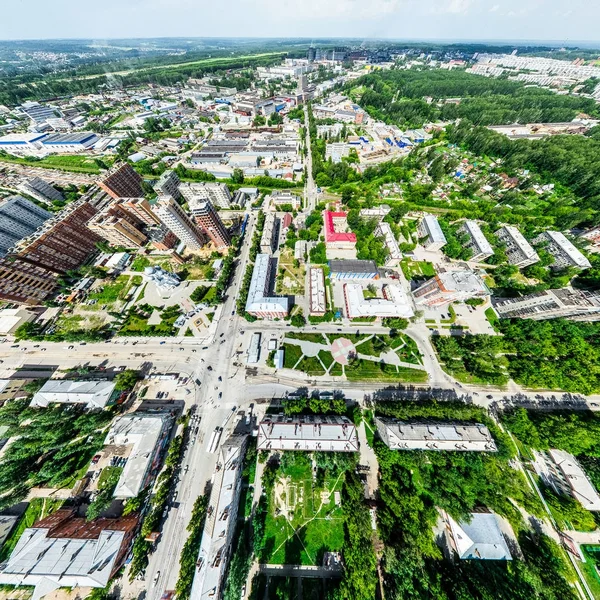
[310,189]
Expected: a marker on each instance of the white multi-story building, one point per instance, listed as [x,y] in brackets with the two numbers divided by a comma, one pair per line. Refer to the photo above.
[480,247]
[260,303]
[562,249]
[318,302]
[401,435]
[337,151]
[168,185]
[283,198]
[391,243]
[143,435]
[220,524]
[395,302]
[566,303]
[431,234]
[94,394]
[518,250]
[307,433]
[451,286]
[268,234]
[177,221]
[217,193]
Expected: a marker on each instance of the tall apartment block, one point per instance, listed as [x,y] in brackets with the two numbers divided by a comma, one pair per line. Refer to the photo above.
[117,230]
[123,182]
[209,221]
[168,185]
[217,193]
[575,305]
[28,275]
[40,190]
[177,221]
[562,249]
[477,243]
[141,209]
[518,250]
[19,218]
[431,233]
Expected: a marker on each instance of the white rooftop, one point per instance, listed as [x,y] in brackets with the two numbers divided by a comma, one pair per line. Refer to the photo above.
[143,432]
[258,301]
[52,562]
[318,303]
[569,249]
[520,241]
[575,477]
[95,394]
[478,238]
[219,526]
[400,435]
[396,303]
[480,538]
[433,229]
[390,240]
[462,281]
[307,432]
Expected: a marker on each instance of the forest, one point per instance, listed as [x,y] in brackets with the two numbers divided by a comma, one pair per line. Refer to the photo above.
[570,160]
[397,97]
[414,484]
[554,354]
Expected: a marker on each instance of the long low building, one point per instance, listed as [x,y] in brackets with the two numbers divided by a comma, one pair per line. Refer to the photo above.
[563,250]
[318,302]
[307,433]
[145,435]
[260,303]
[65,551]
[395,302]
[353,269]
[94,394]
[401,435]
[220,524]
[391,243]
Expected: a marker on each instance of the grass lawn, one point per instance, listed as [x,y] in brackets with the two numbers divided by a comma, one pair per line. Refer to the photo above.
[111,292]
[106,474]
[592,559]
[291,355]
[416,269]
[363,370]
[355,338]
[290,279]
[38,509]
[317,338]
[337,370]
[492,317]
[77,164]
[326,358]
[311,365]
[71,323]
[139,263]
[136,323]
[314,524]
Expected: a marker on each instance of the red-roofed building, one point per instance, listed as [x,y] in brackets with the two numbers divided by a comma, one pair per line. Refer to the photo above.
[336,231]
[286,221]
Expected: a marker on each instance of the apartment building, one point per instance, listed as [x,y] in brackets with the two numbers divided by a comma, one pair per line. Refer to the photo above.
[141,209]
[284,198]
[168,185]
[177,221]
[562,249]
[337,151]
[567,303]
[477,243]
[217,193]
[19,218]
[123,182]
[260,302]
[394,256]
[207,218]
[337,235]
[518,250]
[430,233]
[268,234]
[394,304]
[317,297]
[451,286]
[40,190]
[117,231]
[28,274]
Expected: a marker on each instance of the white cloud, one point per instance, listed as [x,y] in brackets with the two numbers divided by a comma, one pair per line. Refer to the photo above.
[495,8]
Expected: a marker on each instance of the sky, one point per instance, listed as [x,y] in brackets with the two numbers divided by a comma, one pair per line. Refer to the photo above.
[560,20]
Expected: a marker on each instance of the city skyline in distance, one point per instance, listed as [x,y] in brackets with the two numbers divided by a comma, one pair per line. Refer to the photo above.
[511,21]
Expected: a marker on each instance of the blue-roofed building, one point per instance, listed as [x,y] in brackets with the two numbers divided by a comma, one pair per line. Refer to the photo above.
[69,142]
